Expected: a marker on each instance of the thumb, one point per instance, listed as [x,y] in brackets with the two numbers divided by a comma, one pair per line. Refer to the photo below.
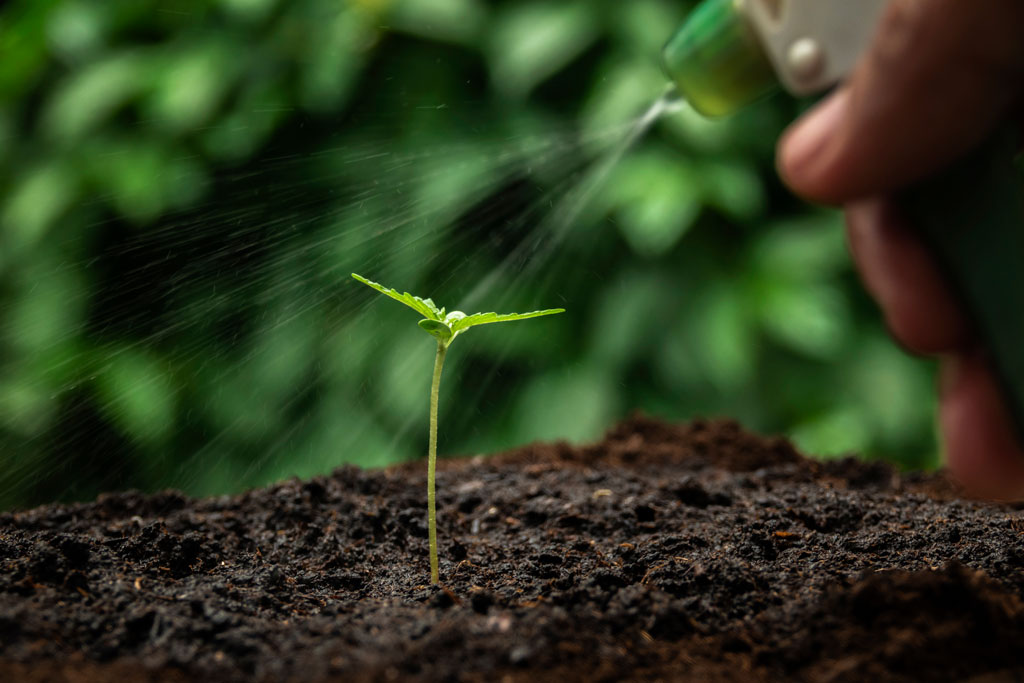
[939,76]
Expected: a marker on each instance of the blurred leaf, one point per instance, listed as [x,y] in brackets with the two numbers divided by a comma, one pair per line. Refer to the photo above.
[334,56]
[734,188]
[721,328]
[406,362]
[35,203]
[134,175]
[805,249]
[465,176]
[752,131]
[340,433]
[236,135]
[25,407]
[655,198]
[699,133]
[794,266]
[810,319]
[49,311]
[533,40]
[644,26]
[623,91]
[894,389]
[675,360]
[77,30]
[576,403]
[629,312]
[238,414]
[136,394]
[190,83]
[184,182]
[842,432]
[756,128]
[450,21]
[348,356]
[282,357]
[23,46]
[89,97]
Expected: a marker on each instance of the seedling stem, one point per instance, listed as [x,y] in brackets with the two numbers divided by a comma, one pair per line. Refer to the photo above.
[435,387]
[444,327]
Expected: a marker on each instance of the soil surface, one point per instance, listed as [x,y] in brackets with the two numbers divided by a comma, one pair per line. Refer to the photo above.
[665,552]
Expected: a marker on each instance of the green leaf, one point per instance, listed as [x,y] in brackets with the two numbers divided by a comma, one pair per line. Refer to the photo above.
[446,327]
[35,203]
[92,95]
[656,197]
[628,317]
[734,188]
[136,393]
[400,374]
[629,24]
[437,329]
[189,85]
[811,319]
[623,89]
[424,307]
[256,112]
[336,54]
[574,404]
[840,432]
[443,21]
[533,41]
[464,323]
[806,249]
[726,344]
[77,31]
[134,175]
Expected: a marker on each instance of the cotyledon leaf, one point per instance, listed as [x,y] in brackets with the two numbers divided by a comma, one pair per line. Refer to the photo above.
[424,307]
[437,329]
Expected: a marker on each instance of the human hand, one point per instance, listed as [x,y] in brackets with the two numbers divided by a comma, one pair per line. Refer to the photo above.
[940,76]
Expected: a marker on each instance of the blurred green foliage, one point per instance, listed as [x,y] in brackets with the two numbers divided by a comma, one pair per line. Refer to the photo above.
[185,185]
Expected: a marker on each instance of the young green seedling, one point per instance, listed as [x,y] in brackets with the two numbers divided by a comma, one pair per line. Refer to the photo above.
[444,327]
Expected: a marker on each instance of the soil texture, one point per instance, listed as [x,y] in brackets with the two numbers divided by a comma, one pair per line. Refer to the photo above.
[665,552]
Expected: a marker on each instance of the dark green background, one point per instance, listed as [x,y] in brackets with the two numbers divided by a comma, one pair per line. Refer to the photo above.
[185,186]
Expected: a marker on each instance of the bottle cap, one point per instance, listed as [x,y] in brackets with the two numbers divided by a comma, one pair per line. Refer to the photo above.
[716,60]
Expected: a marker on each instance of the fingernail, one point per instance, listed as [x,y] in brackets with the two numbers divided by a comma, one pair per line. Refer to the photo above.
[804,143]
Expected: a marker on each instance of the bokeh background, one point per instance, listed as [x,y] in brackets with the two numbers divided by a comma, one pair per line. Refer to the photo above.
[185,186]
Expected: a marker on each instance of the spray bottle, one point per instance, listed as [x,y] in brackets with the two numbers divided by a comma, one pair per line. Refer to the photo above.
[729,53]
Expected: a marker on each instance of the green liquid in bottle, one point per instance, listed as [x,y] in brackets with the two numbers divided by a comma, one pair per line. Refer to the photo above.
[716,60]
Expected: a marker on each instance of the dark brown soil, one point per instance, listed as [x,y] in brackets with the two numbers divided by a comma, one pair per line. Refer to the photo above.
[663,553]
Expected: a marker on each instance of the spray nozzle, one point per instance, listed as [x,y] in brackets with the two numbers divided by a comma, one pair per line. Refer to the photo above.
[716,60]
